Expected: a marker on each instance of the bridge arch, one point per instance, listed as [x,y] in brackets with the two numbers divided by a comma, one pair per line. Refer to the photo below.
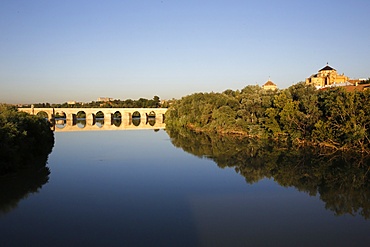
[60,114]
[99,114]
[81,119]
[117,118]
[151,118]
[152,114]
[136,118]
[81,114]
[99,119]
[35,111]
[43,114]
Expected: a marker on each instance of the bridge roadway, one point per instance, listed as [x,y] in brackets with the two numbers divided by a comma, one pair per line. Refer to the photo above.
[126,118]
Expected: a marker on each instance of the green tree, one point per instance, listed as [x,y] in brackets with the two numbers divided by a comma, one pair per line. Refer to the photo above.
[23,138]
[345,122]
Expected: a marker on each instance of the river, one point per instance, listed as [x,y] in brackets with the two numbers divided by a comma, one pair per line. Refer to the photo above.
[143,188]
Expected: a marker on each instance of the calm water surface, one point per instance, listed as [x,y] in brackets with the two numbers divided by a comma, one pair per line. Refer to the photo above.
[134,188]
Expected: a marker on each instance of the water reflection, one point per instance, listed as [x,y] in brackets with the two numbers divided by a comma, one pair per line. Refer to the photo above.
[341,179]
[136,189]
[136,121]
[15,187]
[31,175]
[115,123]
[151,121]
[81,122]
[60,123]
[99,122]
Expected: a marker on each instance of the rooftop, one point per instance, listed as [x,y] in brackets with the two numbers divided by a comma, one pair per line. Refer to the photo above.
[351,88]
[269,83]
[327,67]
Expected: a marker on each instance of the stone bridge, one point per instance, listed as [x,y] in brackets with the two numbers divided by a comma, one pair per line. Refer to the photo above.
[69,115]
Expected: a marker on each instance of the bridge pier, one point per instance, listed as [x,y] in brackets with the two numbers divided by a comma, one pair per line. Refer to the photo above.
[159,118]
[143,117]
[90,119]
[126,115]
[126,119]
[70,122]
[108,118]
[70,117]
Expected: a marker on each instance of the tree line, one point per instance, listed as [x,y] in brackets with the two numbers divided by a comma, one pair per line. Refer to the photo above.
[299,114]
[117,103]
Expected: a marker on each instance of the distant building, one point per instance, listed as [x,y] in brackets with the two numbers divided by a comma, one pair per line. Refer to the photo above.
[357,81]
[104,99]
[357,87]
[71,102]
[325,77]
[269,85]
[350,88]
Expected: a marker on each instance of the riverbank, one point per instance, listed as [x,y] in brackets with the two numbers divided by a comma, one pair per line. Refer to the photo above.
[301,115]
[26,140]
[327,148]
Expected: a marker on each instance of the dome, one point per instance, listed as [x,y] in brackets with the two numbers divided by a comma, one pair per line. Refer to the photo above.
[269,83]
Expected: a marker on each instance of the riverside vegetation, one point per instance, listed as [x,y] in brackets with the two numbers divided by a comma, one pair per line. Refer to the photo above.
[299,115]
[26,140]
[316,141]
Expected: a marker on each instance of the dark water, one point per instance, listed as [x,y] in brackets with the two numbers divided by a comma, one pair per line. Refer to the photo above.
[139,188]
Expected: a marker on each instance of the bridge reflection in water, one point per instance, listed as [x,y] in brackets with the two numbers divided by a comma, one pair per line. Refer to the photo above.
[62,125]
[69,119]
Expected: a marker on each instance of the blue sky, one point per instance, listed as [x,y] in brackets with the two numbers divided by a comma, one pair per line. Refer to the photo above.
[56,51]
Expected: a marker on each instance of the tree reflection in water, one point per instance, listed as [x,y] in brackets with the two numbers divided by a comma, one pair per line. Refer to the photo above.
[15,187]
[341,179]
[29,178]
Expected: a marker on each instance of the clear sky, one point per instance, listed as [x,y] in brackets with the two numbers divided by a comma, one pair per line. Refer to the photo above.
[56,51]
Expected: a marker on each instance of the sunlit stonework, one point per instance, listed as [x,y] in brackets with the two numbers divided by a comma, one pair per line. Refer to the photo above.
[269,85]
[325,77]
